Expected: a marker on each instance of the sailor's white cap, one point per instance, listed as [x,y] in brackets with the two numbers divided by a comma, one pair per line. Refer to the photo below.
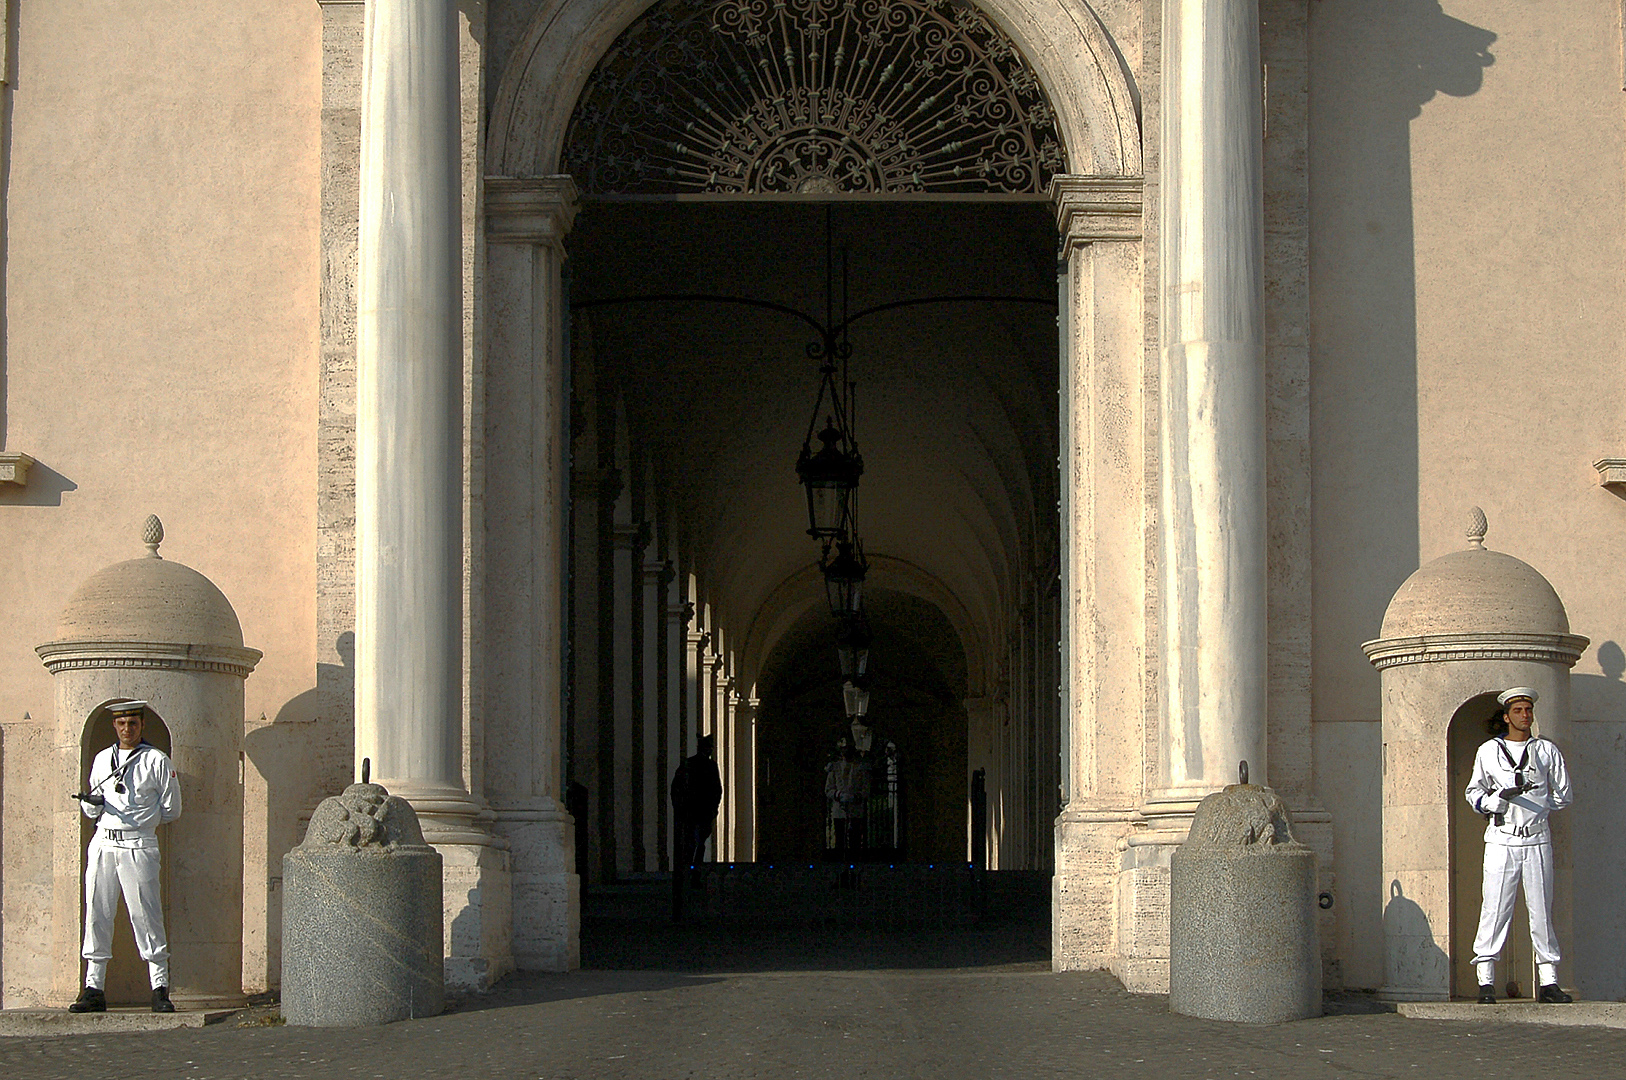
[1513,693]
[127,708]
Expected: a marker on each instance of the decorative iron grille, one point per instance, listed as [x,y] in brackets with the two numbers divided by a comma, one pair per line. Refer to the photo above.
[812,96]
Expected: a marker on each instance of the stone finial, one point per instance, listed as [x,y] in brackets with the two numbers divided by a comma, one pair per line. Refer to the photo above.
[1477,528]
[365,816]
[152,534]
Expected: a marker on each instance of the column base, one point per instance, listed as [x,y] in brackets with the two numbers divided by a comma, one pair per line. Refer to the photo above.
[1142,959]
[546,890]
[478,897]
[1081,892]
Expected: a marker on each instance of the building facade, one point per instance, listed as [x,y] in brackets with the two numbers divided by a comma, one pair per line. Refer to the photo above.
[466,347]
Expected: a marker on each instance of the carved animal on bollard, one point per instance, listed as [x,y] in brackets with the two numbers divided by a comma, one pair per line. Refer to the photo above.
[362,916]
[1243,944]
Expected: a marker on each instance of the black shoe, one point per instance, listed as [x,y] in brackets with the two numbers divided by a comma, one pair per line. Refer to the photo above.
[1487,995]
[90,999]
[1552,995]
[160,1000]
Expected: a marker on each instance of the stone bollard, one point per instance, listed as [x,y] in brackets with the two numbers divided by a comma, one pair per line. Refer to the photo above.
[1242,914]
[362,922]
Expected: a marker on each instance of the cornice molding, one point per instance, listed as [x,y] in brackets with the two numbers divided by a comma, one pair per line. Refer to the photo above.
[1094,208]
[529,210]
[58,656]
[1563,649]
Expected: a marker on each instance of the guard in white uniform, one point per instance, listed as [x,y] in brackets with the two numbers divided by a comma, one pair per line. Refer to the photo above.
[1519,779]
[133,790]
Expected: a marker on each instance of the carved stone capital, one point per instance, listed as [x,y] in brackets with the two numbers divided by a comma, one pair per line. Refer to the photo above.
[530,210]
[1093,208]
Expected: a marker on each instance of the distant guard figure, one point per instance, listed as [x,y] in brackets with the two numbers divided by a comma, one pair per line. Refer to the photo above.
[133,789]
[846,786]
[697,791]
[1519,779]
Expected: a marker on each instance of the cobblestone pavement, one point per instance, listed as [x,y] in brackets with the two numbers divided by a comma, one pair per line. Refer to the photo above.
[846,1006]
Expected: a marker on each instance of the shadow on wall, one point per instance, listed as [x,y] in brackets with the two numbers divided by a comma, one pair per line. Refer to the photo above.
[1597,764]
[303,756]
[1375,65]
[45,488]
[1414,958]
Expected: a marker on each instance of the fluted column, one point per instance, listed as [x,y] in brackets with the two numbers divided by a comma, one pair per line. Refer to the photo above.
[409,548]
[1212,556]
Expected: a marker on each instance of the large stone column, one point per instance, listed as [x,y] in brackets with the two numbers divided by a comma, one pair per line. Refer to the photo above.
[1212,505]
[526,223]
[409,507]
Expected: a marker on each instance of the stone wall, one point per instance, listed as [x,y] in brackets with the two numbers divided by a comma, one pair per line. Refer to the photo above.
[161,356]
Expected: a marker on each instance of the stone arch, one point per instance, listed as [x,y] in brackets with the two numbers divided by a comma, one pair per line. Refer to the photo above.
[803,591]
[1071,52]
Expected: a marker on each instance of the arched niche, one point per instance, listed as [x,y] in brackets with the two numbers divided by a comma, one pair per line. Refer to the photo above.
[127,972]
[1071,53]
[1464,735]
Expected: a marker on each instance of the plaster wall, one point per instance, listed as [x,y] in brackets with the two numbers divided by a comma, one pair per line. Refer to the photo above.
[1467,245]
[161,285]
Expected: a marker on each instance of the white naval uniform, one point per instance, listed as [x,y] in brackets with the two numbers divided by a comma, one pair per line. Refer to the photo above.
[1521,848]
[124,856]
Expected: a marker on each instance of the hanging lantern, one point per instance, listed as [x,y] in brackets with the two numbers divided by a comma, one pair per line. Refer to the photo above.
[856,696]
[844,580]
[830,477]
[852,647]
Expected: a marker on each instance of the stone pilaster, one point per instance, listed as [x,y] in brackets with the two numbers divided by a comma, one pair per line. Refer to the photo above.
[527,490]
[652,743]
[1103,567]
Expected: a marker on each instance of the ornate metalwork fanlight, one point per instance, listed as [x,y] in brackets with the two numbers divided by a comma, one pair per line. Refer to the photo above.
[812,96]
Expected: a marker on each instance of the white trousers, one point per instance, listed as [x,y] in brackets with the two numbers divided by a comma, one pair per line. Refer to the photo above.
[133,871]
[1505,868]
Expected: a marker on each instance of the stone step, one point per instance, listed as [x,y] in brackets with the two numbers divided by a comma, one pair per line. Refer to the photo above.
[42,1022]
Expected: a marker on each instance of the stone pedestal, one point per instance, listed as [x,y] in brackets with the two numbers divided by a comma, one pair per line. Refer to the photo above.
[1242,914]
[362,916]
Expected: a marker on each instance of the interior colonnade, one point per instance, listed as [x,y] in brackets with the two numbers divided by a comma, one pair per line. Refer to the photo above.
[651,668]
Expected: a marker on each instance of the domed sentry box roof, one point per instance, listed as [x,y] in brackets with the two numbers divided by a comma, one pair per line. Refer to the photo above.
[134,608]
[1473,596]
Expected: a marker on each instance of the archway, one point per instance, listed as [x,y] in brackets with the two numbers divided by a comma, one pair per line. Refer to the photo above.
[126,972]
[1466,732]
[686,558]
[919,672]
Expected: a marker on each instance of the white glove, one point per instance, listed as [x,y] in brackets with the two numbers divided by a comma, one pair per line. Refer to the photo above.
[1495,804]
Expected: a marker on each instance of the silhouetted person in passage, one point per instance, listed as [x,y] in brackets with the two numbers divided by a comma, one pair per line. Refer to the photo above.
[697,791]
